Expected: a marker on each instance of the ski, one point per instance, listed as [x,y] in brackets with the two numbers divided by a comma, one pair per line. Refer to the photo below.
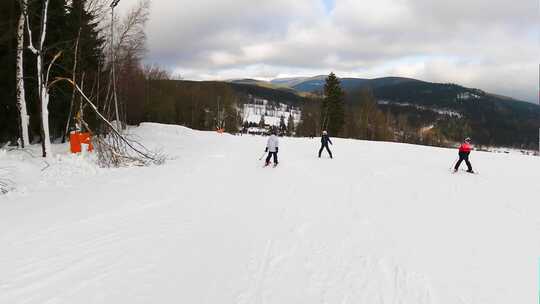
[454,172]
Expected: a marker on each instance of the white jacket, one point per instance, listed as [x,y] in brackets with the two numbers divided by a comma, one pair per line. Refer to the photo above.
[272,144]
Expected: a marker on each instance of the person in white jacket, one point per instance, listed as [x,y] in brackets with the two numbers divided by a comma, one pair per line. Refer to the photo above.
[272,147]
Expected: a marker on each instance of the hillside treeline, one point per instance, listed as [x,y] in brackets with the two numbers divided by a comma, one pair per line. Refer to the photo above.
[211,105]
[364,118]
[489,119]
[197,105]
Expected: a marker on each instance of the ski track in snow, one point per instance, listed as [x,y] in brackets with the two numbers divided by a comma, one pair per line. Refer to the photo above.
[381,223]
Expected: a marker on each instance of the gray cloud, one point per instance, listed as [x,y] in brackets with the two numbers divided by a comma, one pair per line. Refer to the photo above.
[491,44]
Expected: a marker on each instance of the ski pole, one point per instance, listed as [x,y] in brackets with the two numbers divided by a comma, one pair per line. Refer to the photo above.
[454,163]
[260,158]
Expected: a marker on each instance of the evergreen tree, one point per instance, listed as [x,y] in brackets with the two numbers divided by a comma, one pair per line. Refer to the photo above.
[84,45]
[290,125]
[90,43]
[282,125]
[333,106]
[9,124]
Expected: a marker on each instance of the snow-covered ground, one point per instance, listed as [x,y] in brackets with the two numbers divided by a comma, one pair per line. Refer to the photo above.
[380,223]
[252,112]
[511,150]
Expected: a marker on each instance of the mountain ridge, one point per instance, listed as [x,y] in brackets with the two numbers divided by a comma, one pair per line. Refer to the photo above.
[494,119]
[303,83]
[488,118]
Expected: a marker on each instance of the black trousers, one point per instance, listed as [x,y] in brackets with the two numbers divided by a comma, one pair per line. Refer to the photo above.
[269,156]
[464,156]
[327,149]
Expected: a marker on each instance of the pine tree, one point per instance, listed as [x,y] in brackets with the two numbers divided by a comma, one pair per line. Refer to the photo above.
[91,44]
[333,106]
[9,114]
[84,47]
[290,125]
[282,125]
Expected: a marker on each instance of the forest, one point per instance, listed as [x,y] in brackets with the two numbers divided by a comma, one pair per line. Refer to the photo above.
[69,65]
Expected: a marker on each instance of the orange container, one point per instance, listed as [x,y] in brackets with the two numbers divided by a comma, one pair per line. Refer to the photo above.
[78,138]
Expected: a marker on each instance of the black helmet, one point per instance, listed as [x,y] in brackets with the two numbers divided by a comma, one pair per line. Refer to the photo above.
[468,139]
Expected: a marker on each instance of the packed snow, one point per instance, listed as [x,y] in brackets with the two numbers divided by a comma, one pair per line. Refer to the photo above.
[380,223]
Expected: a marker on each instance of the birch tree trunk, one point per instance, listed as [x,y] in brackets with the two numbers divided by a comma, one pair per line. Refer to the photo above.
[21,99]
[42,86]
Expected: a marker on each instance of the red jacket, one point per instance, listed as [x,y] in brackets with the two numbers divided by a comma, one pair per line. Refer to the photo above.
[465,147]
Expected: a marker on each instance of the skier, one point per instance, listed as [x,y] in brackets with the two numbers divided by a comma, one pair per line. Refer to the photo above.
[272,148]
[325,139]
[464,151]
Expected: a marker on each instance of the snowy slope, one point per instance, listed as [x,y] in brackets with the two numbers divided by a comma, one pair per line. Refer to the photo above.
[252,113]
[380,223]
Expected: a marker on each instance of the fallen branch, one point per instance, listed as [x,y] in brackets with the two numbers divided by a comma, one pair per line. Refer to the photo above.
[113,148]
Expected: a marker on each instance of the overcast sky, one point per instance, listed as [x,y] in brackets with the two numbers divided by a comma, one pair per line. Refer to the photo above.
[488,44]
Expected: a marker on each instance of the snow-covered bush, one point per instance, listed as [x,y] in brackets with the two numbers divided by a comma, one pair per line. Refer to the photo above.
[6,184]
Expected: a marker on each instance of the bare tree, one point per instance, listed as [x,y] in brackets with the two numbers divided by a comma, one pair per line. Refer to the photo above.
[131,37]
[113,148]
[98,8]
[155,72]
[127,45]
[43,92]
[21,99]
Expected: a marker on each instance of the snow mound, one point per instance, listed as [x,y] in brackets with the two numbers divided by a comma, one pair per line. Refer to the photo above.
[25,169]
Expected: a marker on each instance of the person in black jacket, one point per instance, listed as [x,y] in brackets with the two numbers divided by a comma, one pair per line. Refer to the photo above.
[325,139]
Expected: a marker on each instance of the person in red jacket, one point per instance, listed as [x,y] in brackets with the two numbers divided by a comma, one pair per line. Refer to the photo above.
[464,151]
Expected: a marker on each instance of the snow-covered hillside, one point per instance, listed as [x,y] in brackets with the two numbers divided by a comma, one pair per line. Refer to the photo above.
[445,112]
[252,112]
[380,223]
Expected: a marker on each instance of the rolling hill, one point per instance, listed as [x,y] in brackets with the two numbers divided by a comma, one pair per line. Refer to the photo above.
[493,120]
